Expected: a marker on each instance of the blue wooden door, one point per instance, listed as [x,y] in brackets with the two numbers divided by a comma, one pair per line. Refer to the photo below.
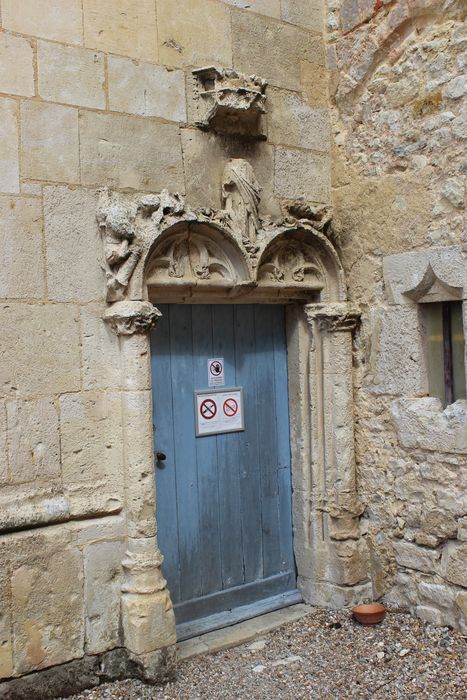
[223,501]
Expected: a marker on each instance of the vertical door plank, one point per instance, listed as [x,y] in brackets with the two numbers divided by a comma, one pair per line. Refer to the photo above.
[267,436]
[248,447]
[227,455]
[166,490]
[185,450]
[206,452]
[283,440]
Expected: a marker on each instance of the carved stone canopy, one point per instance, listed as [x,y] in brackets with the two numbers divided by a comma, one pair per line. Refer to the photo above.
[158,244]
[431,288]
[229,102]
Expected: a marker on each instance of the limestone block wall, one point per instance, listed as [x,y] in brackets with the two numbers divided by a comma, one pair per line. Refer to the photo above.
[398,84]
[98,93]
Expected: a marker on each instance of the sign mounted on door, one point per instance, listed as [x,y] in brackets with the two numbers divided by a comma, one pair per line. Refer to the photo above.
[216,376]
[219,411]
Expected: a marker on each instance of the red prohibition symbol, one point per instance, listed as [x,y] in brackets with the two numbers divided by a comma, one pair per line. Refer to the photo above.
[230,407]
[208,409]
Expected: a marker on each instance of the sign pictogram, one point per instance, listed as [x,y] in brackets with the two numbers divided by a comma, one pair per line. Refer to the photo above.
[218,411]
[230,407]
[216,375]
[208,409]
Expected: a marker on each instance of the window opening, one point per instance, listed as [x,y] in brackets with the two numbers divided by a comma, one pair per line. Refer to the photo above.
[445,350]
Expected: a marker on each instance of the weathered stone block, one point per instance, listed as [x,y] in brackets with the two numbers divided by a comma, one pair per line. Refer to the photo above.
[442,596]
[263,7]
[47,596]
[413,557]
[33,440]
[6,645]
[148,622]
[314,82]
[51,19]
[3,444]
[462,529]
[100,348]
[272,49]
[86,532]
[146,89]
[292,122]
[73,246]
[49,142]
[307,13]
[102,572]
[301,174]
[16,71]
[9,161]
[21,245]
[198,35]
[205,157]
[125,27]
[424,424]
[454,563]
[396,359]
[91,434]
[49,363]
[439,523]
[70,74]
[123,151]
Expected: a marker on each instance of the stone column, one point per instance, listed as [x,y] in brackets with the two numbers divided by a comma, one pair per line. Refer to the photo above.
[338,566]
[148,621]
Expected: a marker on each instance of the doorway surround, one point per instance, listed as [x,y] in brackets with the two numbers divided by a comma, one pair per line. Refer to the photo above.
[157,249]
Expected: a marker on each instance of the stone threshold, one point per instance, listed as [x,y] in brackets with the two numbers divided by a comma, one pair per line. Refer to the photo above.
[241,633]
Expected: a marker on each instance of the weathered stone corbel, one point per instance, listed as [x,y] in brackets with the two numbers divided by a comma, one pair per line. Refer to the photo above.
[229,102]
[121,252]
[130,317]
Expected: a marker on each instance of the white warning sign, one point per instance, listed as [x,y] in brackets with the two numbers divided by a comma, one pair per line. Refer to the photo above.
[219,411]
[216,376]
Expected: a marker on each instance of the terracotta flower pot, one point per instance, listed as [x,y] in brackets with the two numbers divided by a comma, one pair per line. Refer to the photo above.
[369,613]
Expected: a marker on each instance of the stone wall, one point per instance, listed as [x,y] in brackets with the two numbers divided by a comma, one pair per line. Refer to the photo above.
[97,93]
[399,127]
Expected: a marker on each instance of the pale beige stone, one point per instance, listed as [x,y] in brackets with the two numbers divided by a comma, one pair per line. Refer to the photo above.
[146,89]
[205,157]
[314,83]
[6,645]
[47,590]
[308,13]
[33,440]
[21,246]
[122,151]
[9,157]
[49,362]
[100,348]
[125,27]
[3,444]
[196,35]
[293,122]
[33,505]
[71,74]
[272,8]
[85,532]
[147,621]
[16,70]
[102,574]
[59,20]
[49,142]
[302,174]
[423,423]
[73,246]
[273,49]
[91,434]
[412,557]
[454,563]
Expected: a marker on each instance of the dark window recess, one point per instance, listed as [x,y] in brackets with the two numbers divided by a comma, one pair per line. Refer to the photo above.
[445,350]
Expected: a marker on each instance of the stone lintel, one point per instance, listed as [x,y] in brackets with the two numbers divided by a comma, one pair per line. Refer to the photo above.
[332,318]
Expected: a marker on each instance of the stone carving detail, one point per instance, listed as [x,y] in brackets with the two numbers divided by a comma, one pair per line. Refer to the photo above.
[121,253]
[333,318]
[240,199]
[228,101]
[193,256]
[300,210]
[130,317]
[143,573]
[432,288]
[292,262]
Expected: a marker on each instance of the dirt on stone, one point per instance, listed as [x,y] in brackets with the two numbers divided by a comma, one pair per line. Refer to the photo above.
[325,655]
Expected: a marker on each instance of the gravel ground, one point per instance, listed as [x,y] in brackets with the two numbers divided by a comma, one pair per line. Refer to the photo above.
[324,655]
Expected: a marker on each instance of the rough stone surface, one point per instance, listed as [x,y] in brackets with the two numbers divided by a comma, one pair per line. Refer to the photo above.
[301,173]
[16,68]
[292,122]
[9,162]
[125,27]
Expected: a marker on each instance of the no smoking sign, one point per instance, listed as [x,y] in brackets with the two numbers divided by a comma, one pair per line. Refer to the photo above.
[219,411]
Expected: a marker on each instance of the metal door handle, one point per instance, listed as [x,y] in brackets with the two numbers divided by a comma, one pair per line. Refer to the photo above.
[161,457]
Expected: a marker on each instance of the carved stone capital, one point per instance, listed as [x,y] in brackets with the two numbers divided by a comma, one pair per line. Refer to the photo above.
[332,318]
[130,317]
